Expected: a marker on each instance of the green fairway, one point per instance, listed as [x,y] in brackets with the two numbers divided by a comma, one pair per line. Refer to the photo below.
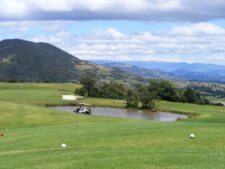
[36,93]
[136,144]
[33,134]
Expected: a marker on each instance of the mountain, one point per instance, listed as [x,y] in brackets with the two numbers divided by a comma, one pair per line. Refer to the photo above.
[217,76]
[173,70]
[169,66]
[145,73]
[27,61]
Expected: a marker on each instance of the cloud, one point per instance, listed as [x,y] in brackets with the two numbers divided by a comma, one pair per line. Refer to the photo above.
[191,43]
[200,42]
[198,29]
[149,10]
[25,26]
[12,8]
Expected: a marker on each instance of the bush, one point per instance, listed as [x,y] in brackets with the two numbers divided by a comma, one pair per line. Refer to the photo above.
[82,91]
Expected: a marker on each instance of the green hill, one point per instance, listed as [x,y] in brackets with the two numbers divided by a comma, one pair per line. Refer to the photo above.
[27,61]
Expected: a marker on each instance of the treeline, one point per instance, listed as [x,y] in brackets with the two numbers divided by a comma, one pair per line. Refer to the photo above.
[144,94]
[210,89]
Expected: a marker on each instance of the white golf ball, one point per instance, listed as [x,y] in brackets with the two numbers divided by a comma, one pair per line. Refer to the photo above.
[192,135]
[63,145]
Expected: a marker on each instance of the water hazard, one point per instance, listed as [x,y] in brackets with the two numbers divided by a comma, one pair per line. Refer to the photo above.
[128,113]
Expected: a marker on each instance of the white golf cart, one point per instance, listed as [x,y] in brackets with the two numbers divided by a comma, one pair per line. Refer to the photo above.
[83,109]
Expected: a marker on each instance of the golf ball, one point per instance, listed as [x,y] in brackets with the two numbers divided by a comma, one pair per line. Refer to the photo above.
[192,135]
[63,145]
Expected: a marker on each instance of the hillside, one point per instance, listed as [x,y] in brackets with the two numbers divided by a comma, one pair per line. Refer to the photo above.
[27,61]
[172,70]
[143,72]
[22,60]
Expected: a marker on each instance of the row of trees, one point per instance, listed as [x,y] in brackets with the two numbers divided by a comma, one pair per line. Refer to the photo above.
[162,90]
[210,89]
[144,94]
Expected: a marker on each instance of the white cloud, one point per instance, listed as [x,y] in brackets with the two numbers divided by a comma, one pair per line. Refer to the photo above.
[109,33]
[13,8]
[153,10]
[198,29]
[52,5]
[201,42]
[24,26]
[97,5]
[165,5]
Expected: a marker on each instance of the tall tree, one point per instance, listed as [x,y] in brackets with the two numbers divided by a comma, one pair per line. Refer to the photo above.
[88,81]
[132,98]
[146,98]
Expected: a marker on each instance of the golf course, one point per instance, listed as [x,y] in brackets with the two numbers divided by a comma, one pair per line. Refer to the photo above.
[31,134]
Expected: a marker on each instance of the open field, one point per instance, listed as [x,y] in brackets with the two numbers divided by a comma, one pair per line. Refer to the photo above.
[33,134]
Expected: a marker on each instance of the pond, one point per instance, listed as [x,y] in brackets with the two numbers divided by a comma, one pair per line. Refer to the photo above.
[128,113]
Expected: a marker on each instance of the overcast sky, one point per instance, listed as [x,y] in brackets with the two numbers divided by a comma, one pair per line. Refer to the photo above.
[162,30]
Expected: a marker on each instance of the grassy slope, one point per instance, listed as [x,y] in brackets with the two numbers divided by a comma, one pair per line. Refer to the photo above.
[35,93]
[35,134]
[47,93]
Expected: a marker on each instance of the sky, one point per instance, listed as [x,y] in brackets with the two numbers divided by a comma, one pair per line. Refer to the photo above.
[147,30]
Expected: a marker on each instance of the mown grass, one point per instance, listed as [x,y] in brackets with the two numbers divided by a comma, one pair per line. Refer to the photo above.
[36,93]
[104,102]
[204,113]
[33,134]
[109,144]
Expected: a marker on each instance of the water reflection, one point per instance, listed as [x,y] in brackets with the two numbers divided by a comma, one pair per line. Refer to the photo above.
[128,113]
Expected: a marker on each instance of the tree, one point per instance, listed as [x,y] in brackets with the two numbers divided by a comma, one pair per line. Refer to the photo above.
[146,98]
[132,98]
[88,81]
[191,96]
[113,90]
[163,89]
[167,91]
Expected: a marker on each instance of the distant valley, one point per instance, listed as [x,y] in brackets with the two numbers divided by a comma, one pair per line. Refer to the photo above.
[170,70]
